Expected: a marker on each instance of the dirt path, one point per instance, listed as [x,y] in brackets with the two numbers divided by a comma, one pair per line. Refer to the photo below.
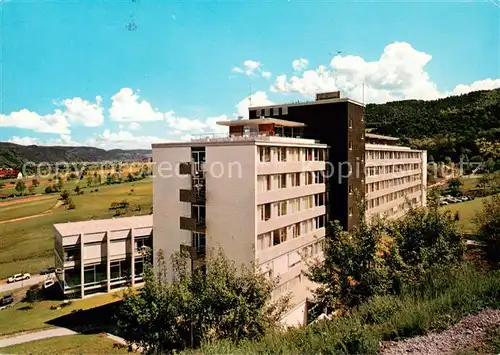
[58,203]
[25,199]
[469,331]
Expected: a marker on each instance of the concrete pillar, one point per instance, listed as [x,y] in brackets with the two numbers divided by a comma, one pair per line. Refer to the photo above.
[82,269]
[132,259]
[108,262]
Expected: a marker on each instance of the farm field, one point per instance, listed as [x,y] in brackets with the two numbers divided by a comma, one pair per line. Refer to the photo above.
[27,245]
[70,344]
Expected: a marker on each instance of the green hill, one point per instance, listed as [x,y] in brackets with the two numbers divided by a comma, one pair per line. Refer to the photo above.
[14,155]
[445,127]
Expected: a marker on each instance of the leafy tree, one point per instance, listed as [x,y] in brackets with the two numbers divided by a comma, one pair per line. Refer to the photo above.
[424,238]
[352,270]
[455,187]
[130,177]
[35,183]
[64,195]
[20,187]
[48,190]
[488,227]
[70,203]
[34,294]
[77,189]
[219,301]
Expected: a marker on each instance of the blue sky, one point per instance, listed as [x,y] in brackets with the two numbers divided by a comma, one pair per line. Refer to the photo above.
[73,73]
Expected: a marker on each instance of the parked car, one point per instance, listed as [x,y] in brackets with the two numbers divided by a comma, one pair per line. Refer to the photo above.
[46,271]
[443,203]
[48,283]
[18,277]
[6,301]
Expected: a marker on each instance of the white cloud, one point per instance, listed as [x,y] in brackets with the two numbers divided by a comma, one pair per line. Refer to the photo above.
[126,107]
[63,140]
[134,126]
[52,123]
[398,74]
[83,112]
[486,84]
[300,64]
[266,74]
[250,68]
[258,99]
[76,111]
[122,140]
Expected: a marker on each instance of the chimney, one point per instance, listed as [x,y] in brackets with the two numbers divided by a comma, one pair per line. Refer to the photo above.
[328,95]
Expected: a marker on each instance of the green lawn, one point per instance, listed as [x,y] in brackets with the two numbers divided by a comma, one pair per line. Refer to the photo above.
[27,209]
[27,246]
[70,344]
[467,211]
[19,319]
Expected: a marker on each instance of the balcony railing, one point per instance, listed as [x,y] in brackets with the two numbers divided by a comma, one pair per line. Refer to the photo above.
[248,136]
[192,224]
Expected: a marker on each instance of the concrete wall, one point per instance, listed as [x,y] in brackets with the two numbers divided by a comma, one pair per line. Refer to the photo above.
[167,206]
[231,199]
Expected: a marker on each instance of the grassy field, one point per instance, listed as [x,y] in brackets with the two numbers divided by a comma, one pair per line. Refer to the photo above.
[26,246]
[19,210]
[71,344]
[20,319]
[467,211]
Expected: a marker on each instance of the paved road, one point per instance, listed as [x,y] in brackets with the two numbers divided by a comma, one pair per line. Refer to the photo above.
[35,279]
[44,334]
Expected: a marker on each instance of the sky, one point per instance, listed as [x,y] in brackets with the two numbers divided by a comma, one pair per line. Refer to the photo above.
[125,74]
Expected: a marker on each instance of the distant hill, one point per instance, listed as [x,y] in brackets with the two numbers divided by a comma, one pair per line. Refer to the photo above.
[445,127]
[14,155]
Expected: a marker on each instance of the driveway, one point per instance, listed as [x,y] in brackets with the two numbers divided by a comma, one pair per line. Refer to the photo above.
[45,334]
[35,279]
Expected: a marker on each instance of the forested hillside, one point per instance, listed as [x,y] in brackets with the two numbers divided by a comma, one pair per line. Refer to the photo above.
[14,155]
[445,127]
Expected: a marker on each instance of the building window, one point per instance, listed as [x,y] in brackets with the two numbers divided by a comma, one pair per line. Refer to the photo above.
[309,177]
[285,110]
[281,154]
[295,179]
[258,113]
[350,122]
[282,181]
[267,112]
[350,145]
[275,111]
[282,208]
[296,230]
[319,199]
[268,182]
[265,212]
[264,241]
[71,253]
[279,236]
[265,154]
[350,211]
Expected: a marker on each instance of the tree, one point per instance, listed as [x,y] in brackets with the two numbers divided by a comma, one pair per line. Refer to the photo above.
[48,190]
[70,203]
[20,187]
[487,222]
[352,270]
[64,195]
[219,301]
[455,187]
[424,239]
[35,183]
[77,189]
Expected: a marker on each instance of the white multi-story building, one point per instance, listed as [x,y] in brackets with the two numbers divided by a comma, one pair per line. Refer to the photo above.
[395,177]
[258,193]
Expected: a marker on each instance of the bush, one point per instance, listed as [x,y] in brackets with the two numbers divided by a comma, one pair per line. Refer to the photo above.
[64,195]
[34,294]
[71,204]
[222,302]
[48,190]
[488,226]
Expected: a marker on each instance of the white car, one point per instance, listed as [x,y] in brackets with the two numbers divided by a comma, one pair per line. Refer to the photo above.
[48,283]
[18,277]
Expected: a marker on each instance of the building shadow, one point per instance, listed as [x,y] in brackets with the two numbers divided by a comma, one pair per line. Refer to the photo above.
[90,321]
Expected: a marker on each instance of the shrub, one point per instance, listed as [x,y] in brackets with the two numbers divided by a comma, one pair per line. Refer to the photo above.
[488,226]
[71,204]
[34,294]
[48,190]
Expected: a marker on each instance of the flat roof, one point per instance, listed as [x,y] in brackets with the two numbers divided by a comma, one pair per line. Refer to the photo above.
[304,103]
[259,121]
[378,136]
[103,225]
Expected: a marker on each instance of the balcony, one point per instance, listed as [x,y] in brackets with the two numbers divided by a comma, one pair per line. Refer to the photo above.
[194,252]
[192,224]
[193,196]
